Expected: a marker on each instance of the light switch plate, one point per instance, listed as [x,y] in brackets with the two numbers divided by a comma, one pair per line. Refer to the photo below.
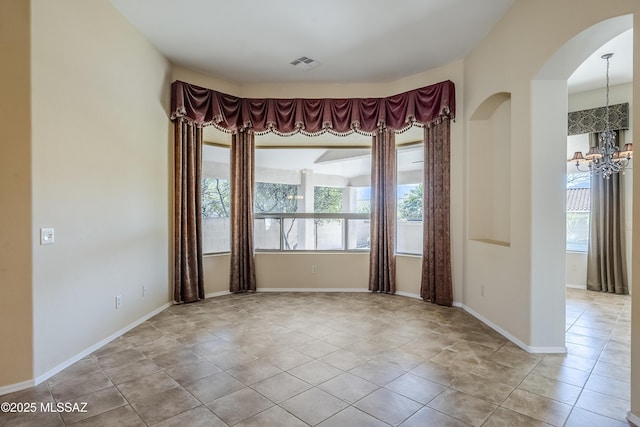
[46,236]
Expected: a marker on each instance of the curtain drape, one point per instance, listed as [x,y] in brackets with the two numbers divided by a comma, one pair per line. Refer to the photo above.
[382,260]
[606,258]
[432,105]
[313,116]
[436,283]
[188,271]
[242,270]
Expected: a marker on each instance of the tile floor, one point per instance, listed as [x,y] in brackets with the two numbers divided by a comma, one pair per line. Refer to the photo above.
[298,359]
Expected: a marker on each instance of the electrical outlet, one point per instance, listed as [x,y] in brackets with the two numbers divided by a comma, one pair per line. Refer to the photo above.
[314,269]
[145,291]
[481,290]
[118,301]
[573,267]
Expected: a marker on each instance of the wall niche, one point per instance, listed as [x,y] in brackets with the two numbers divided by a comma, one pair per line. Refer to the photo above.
[489,171]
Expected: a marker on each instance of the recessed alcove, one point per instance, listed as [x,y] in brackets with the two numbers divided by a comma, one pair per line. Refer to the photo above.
[489,167]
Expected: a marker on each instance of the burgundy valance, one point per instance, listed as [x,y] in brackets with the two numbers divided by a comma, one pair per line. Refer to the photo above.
[204,107]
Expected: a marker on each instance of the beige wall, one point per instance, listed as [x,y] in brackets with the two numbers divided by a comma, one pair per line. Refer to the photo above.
[293,270]
[525,275]
[101,176]
[16,353]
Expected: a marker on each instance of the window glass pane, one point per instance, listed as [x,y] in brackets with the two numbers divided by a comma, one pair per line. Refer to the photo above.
[359,236]
[578,211]
[410,164]
[309,181]
[266,233]
[328,234]
[215,199]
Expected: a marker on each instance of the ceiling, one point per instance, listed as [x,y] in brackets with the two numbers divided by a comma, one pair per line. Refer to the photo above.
[251,41]
[591,74]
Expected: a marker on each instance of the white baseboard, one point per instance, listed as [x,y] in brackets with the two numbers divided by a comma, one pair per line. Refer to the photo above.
[633,418]
[41,378]
[569,285]
[510,337]
[417,296]
[12,388]
[312,290]
[408,295]
[217,294]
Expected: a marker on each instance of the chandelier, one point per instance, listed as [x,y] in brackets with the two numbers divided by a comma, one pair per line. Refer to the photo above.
[605,158]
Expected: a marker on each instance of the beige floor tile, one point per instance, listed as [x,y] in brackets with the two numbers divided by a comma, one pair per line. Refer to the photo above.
[240,405]
[78,369]
[317,348]
[37,419]
[175,357]
[314,406]
[110,360]
[274,416]
[94,404]
[281,387]
[192,371]
[571,361]
[416,388]
[343,359]
[77,386]
[462,406]
[388,406]
[315,372]
[582,418]
[348,387]
[252,372]
[493,371]
[214,387]
[229,359]
[538,407]
[200,416]
[483,388]
[430,417]
[455,360]
[556,390]
[340,339]
[603,404]
[610,386]
[610,370]
[123,416]
[377,372]
[561,373]
[352,417]
[156,407]
[131,371]
[401,359]
[157,397]
[435,372]
[505,417]
[375,337]
[288,359]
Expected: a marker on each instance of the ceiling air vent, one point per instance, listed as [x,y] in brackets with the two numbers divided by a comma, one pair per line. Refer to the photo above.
[304,63]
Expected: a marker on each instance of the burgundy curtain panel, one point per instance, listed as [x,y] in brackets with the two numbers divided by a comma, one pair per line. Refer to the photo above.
[436,283]
[188,271]
[382,260]
[242,271]
[313,116]
[432,106]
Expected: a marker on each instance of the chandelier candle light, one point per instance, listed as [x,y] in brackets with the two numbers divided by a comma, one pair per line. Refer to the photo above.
[605,159]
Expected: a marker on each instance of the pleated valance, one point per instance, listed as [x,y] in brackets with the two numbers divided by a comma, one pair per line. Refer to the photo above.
[204,107]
